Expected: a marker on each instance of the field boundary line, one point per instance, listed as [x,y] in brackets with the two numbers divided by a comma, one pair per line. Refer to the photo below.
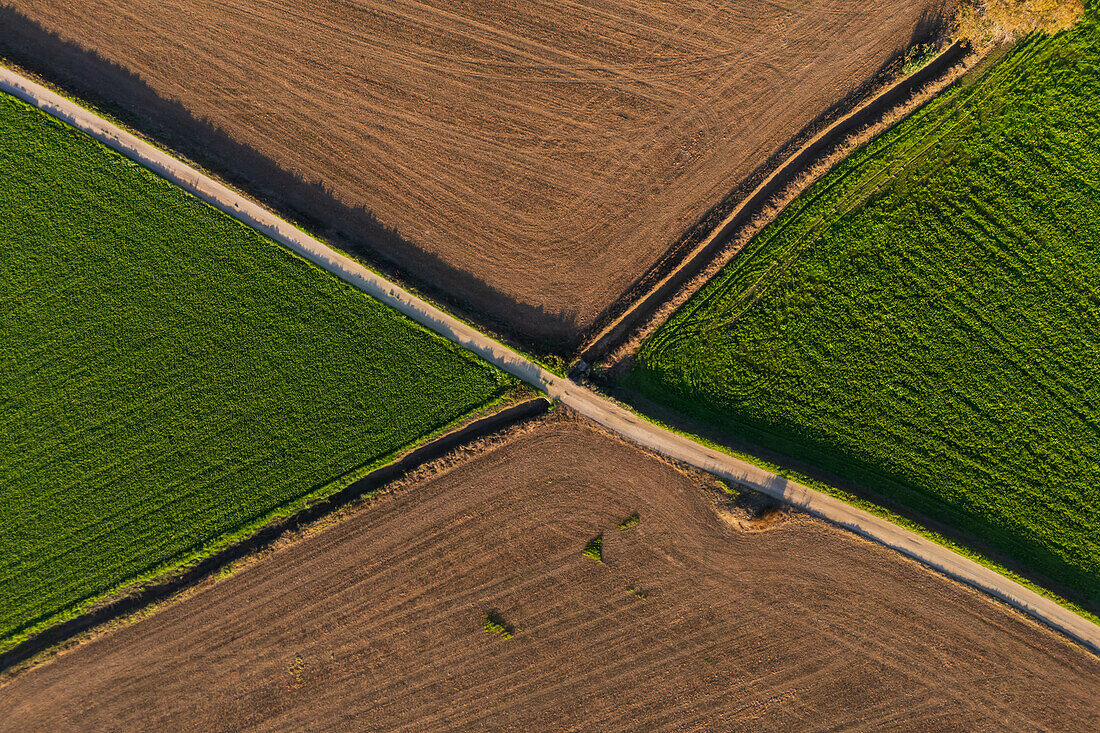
[175,582]
[269,224]
[581,399]
[803,159]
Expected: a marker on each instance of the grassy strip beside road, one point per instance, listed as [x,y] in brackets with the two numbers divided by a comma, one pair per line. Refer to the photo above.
[588,403]
[171,378]
[853,500]
[923,320]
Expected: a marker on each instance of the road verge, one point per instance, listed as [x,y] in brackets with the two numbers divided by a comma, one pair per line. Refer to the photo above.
[640,306]
[585,401]
[161,589]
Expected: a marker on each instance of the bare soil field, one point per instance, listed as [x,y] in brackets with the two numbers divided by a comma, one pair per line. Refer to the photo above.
[698,616]
[531,160]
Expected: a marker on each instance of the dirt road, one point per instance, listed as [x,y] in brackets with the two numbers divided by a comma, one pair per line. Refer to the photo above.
[584,401]
[691,622]
[534,158]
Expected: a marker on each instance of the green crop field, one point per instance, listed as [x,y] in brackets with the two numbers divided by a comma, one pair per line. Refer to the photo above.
[925,320]
[170,378]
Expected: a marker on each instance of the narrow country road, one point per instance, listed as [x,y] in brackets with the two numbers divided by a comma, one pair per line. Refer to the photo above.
[596,407]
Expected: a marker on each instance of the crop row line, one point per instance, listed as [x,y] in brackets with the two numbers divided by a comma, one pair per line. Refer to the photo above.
[597,407]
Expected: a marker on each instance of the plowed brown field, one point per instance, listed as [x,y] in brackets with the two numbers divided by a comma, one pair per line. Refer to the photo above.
[535,158]
[376,622]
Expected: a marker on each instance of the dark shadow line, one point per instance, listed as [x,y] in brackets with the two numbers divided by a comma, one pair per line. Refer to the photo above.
[159,590]
[868,484]
[124,95]
[636,305]
[314,206]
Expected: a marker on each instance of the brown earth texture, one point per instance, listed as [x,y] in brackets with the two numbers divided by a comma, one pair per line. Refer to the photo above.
[699,617]
[530,159]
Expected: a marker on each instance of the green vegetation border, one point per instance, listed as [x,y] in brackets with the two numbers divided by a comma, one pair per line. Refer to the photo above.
[506,389]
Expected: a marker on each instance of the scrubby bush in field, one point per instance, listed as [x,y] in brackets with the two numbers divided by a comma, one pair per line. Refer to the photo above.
[594,548]
[917,57]
[494,623]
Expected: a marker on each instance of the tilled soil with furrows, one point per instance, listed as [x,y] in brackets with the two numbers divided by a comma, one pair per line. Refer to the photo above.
[691,612]
[531,159]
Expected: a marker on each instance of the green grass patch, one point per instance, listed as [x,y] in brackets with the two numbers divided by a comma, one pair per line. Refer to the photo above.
[494,623]
[630,521]
[858,502]
[171,379]
[594,548]
[923,320]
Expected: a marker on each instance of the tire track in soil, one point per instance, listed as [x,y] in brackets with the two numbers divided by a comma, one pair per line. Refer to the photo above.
[376,621]
[160,590]
[588,403]
[676,269]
